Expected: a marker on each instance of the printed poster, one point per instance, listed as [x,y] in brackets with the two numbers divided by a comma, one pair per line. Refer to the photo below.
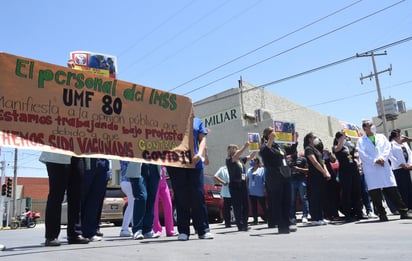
[351,130]
[47,107]
[254,141]
[285,132]
[98,63]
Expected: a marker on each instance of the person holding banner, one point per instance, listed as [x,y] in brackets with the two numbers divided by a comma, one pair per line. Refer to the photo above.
[65,176]
[349,177]
[278,175]
[189,191]
[237,184]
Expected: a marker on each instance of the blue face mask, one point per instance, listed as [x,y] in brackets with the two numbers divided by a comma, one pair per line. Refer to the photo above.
[252,163]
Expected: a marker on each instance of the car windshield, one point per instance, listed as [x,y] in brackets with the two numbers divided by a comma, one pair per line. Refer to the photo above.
[209,180]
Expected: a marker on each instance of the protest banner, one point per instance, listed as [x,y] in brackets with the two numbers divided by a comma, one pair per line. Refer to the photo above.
[285,132]
[53,108]
[254,141]
[98,63]
[351,130]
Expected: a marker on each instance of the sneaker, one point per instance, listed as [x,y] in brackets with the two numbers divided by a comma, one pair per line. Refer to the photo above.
[52,242]
[151,234]
[293,228]
[293,221]
[77,240]
[406,215]
[173,234]
[318,223]
[95,238]
[125,233]
[2,247]
[206,235]
[99,234]
[305,220]
[372,215]
[325,221]
[138,235]
[383,218]
[183,237]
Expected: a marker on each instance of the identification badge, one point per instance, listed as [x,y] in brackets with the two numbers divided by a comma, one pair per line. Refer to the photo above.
[284,162]
[243,176]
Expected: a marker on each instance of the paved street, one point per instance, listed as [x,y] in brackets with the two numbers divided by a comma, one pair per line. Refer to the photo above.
[363,240]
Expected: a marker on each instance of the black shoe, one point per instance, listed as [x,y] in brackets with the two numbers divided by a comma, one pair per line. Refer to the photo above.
[406,215]
[78,240]
[362,216]
[383,218]
[283,231]
[99,234]
[243,228]
[52,242]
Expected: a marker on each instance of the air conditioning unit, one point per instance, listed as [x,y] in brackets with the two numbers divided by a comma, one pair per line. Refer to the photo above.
[263,114]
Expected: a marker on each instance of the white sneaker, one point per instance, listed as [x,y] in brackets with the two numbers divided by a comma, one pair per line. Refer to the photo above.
[151,234]
[372,215]
[206,235]
[138,235]
[305,220]
[125,233]
[95,238]
[318,223]
[183,237]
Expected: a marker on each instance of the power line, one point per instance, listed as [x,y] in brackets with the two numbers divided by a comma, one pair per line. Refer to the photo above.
[157,27]
[336,63]
[295,47]
[267,44]
[174,36]
[248,8]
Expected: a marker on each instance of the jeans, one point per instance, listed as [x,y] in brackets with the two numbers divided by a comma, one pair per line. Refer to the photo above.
[298,184]
[94,188]
[189,193]
[144,193]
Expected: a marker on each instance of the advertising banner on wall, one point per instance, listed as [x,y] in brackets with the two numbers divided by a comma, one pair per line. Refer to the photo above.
[53,108]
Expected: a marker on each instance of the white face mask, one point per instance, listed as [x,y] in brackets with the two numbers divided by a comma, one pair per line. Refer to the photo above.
[316,141]
[348,143]
[373,129]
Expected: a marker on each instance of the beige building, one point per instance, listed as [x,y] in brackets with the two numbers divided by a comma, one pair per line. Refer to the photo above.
[231,114]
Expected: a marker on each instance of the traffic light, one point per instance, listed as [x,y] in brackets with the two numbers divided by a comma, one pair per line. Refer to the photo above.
[3,189]
[9,187]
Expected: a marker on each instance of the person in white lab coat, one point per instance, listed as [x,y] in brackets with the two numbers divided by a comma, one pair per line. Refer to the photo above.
[374,151]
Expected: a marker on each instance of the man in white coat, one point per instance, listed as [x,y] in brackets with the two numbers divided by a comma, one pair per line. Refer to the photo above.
[374,151]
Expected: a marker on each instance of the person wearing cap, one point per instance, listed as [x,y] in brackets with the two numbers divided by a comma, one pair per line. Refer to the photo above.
[374,151]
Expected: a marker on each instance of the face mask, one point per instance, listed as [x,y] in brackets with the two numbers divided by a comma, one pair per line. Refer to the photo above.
[373,129]
[316,141]
[348,143]
[252,163]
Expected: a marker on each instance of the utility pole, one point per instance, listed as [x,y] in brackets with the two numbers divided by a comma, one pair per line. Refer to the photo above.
[14,184]
[375,74]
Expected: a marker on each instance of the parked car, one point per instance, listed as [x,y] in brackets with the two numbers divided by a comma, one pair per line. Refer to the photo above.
[113,206]
[213,200]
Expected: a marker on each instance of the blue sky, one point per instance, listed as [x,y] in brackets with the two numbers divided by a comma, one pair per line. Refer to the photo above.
[197,48]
